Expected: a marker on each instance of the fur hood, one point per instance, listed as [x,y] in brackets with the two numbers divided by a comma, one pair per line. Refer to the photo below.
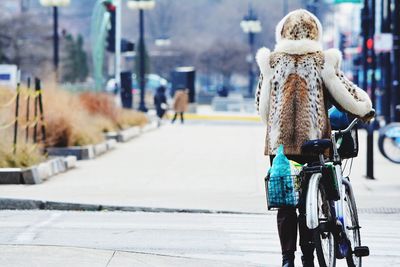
[299,32]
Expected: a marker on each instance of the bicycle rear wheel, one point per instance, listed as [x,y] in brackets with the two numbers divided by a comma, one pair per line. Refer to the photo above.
[323,237]
[352,228]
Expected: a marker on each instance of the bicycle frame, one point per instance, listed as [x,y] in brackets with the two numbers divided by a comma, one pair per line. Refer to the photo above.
[343,182]
[312,192]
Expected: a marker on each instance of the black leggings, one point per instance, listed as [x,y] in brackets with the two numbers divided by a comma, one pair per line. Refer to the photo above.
[176,115]
[287,220]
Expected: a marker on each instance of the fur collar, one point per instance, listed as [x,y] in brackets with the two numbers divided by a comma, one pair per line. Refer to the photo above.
[298,47]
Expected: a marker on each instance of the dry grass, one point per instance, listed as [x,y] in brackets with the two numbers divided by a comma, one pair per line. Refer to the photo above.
[99,104]
[103,106]
[128,118]
[26,154]
[82,119]
[70,119]
[68,122]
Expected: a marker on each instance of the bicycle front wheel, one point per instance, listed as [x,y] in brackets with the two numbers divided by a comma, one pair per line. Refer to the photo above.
[389,142]
[323,237]
[352,228]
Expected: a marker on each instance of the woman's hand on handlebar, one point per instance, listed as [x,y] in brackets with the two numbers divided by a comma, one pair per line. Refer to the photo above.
[369,116]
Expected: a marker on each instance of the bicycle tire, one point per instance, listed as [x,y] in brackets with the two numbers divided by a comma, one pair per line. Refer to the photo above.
[323,237]
[384,139]
[354,235]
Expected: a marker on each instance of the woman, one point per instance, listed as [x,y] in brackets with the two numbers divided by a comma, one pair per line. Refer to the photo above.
[181,103]
[297,80]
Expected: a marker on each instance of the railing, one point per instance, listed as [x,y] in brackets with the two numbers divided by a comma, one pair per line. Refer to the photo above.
[33,100]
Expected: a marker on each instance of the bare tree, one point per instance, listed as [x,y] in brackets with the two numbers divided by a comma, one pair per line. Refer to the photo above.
[25,42]
[225,58]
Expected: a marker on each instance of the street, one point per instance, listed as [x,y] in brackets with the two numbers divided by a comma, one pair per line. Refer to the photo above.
[53,238]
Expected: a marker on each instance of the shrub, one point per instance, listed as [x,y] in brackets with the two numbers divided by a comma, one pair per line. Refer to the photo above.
[68,122]
[103,105]
[99,104]
[128,118]
[26,155]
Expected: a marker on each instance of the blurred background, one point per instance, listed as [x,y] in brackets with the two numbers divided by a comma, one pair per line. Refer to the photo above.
[211,36]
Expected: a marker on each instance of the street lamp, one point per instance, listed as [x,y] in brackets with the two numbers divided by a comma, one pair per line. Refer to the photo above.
[55,4]
[141,5]
[251,26]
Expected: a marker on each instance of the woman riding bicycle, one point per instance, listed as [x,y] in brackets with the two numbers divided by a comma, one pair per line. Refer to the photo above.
[297,81]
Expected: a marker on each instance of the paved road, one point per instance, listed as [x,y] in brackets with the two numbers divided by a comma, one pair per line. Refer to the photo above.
[53,238]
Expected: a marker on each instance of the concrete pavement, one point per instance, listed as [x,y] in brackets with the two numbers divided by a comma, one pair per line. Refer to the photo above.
[201,165]
[216,167]
[53,238]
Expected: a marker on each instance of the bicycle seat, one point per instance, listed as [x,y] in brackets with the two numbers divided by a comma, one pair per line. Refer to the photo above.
[316,146]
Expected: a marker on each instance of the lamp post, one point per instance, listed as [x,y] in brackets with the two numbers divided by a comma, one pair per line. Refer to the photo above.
[395,95]
[251,26]
[141,5]
[55,4]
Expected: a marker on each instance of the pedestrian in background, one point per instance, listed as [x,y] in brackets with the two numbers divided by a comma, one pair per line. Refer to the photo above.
[181,103]
[160,102]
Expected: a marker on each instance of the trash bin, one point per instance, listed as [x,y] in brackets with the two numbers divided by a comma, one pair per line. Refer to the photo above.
[184,77]
[126,89]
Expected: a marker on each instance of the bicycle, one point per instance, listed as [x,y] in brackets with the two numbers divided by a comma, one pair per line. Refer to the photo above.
[389,141]
[331,211]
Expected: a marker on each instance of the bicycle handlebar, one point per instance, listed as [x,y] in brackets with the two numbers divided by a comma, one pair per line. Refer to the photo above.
[371,114]
[350,127]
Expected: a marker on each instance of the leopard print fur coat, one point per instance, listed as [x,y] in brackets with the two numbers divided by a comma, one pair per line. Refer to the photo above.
[297,81]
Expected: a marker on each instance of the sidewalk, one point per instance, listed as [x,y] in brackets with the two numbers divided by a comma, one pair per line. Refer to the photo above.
[202,165]
[50,256]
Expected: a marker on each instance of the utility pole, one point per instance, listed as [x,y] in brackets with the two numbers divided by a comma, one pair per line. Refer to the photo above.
[118,10]
[369,67]
[142,68]
[395,94]
[55,40]
[251,26]
[384,59]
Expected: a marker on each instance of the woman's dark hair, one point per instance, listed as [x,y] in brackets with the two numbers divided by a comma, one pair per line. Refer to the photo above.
[161,89]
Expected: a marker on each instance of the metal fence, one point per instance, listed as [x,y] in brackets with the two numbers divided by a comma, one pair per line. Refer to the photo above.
[33,117]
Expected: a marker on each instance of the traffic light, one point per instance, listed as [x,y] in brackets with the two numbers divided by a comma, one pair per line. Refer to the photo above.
[127,46]
[111,31]
[370,48]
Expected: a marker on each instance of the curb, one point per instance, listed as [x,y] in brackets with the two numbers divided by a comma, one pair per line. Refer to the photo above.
[26,204]
[83,152]
[37,173]
[124,135]
[219,117]
[153,125]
